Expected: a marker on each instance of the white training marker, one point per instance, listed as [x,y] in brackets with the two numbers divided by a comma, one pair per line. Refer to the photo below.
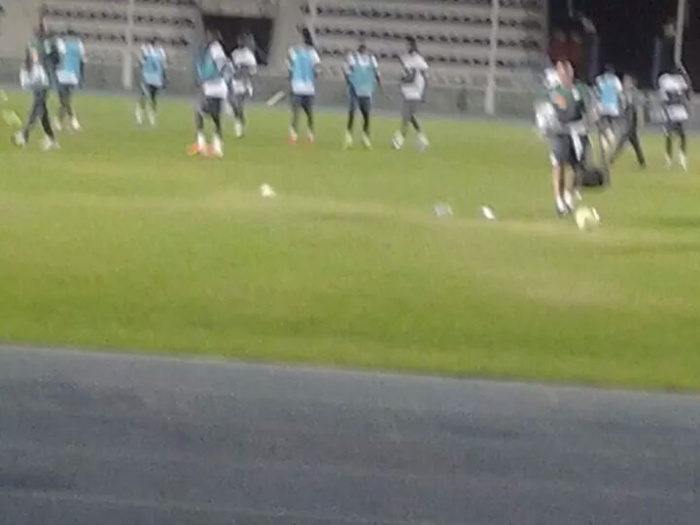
[488,213]
[267,191]
[276,98]
[442,210]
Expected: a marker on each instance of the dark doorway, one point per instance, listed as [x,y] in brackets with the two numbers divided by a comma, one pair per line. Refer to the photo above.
[231,26]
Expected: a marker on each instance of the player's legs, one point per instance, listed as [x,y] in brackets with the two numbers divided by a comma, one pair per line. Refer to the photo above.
[352,109]
[668,135]
[682,156]
[238,105]
[152,95]
[365,104]
[35,114]
[50,139]
[294,125]
[408,108]
[65,95]
[637,146]
[560,157]
[200,146]
[214,107]
[307,104]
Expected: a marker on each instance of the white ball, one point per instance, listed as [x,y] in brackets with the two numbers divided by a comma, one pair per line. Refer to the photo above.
[587,218]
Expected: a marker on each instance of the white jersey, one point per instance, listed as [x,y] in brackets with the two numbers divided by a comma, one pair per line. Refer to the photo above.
[69,74]
[244,66]
[415,76]
[216,88]
[673,90]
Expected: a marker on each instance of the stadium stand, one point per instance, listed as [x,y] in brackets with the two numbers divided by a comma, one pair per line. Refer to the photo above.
[454,35]
[103,25]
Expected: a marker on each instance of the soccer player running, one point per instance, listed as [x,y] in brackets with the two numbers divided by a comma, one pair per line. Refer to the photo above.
[153,63]
[414,82]
[244,68]
[303,63]
[210,65]
[362,76]
[674,89]
[609,92]
[69,75]
[569,141]
[631,100]
[35,77]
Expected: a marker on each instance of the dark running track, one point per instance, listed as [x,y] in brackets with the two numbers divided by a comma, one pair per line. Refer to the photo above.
[115,440]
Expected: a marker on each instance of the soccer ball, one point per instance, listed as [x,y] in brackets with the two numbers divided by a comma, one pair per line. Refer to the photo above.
[587,218]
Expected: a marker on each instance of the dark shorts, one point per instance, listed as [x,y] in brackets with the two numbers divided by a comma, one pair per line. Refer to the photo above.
[563,152]
[65,91]
[363,103]
[409,109]
[674,128]
[305,102]
[237,100]
[210,106]
[149,90]
[607,121]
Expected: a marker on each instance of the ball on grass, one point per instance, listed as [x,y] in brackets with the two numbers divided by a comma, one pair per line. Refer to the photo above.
[587,218]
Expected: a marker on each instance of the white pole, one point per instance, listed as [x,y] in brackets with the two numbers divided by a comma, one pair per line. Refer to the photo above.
[680,28]
[127,71]
[490,100]
[313,7]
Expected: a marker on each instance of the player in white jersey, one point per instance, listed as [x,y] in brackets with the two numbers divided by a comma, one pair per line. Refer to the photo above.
[674,90]
[244,67]
[210,68]
[34,77]
[414,83]
[69,76]
[153,63]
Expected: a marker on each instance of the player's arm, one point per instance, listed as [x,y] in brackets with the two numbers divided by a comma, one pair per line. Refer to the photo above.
[81,78]
[289,62]
[316,60]
[164,58]
[377,74]
[424,71]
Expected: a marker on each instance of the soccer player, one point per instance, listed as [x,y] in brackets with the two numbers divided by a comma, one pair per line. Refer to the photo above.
[303,63]
[609,92]
[631,100]
[414,82]
[244,67]
[35,77]
[675,97]
[153,64]
[569,141]
[362,76]
[69,75]
[210,68]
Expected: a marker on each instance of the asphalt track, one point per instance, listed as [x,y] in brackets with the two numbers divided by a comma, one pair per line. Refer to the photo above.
[104,440]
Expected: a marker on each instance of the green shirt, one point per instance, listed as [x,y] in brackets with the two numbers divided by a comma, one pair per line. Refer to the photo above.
[569,103]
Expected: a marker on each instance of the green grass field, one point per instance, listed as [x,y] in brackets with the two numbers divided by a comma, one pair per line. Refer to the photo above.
[120,241]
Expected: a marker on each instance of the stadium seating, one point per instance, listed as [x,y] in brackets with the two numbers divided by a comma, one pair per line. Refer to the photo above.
[102,25]
[454,35]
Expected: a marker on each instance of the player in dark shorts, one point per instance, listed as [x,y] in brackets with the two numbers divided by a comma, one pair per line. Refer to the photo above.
[569,144]
[631,100]
[674,88]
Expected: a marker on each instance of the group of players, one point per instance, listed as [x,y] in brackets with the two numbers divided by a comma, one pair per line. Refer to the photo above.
[567,115]
[223,82]
[571,111]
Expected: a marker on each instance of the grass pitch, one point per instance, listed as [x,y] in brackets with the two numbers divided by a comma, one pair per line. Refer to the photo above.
[121,241]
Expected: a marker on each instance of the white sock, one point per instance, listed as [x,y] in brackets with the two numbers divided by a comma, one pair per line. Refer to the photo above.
[398,140]
[139,116]
[151,117]
[561,205]
[201,141]
[423,139]
[75,124]
[568,199]
[217,144]
[293,134]
[365,139]
[238,126]
[310,136]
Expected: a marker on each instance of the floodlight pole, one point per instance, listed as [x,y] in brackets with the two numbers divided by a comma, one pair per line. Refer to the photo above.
[680,29]
[127,71]
[490,98]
